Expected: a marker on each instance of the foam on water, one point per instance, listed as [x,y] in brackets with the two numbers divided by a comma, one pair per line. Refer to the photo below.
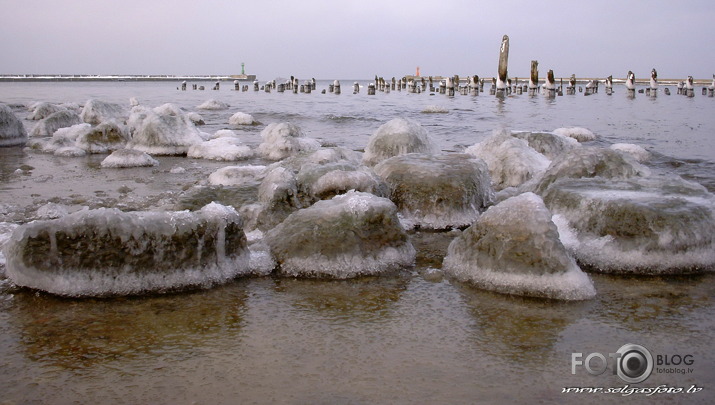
[109,252]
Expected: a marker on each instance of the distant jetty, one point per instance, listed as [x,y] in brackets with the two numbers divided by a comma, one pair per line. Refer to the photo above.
[121,78]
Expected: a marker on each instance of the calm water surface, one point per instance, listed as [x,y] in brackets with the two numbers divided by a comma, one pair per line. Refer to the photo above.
[410,337]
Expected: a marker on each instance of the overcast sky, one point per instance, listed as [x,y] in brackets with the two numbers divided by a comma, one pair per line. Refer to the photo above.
[356,39]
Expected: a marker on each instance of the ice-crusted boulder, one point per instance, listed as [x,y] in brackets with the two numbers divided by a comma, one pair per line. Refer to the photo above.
[196,118]
[223,148]
[636,151]
[437,191]
[61,119]
[654,225]
[277,198]
[43,110]
[12,132]
[511,161]
[321,181]
[241,118]
[237,175]
[123,158]
[397,137]
[548,144]
[105,137]
[164,130]
[577,133]
[96,111]
[109,252]
[589,162]
[213,105]
[514,248]
[350,235]
[281,140]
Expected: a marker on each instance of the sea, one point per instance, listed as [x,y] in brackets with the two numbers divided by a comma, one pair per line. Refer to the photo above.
[412,337]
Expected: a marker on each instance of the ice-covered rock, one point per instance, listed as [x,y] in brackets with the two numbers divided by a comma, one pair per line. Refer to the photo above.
[435,109]
[96,111]
[281,140]
[636,151]
[241,118]
[577,133]
[224,133]
[350,235]
[548,144]
[109,252]
[224,148]
[52,211]
[321,181]
[61,119]
[437,191]
[213,105]
[514,248]
[43,110]
[589,162]
[105,137]
[12,132]
[237,175]
[653,225]
[70,151]
[397,137]
[128,158]
[164,130]
[511,161]
[196,118]
[73,132]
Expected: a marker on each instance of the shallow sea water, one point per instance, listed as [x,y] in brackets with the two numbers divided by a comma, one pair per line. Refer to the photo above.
[409,337]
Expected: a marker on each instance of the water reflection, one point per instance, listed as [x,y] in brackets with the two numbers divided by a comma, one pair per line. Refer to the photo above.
[77,334]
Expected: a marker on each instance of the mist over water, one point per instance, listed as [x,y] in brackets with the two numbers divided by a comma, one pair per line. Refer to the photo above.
[412,336]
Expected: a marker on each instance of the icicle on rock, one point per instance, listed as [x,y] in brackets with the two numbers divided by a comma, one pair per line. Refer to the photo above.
[12,132]
[655,225]
[109,252]
[350,235]
[397,137]
[511,161]
[437,191]
[514,248]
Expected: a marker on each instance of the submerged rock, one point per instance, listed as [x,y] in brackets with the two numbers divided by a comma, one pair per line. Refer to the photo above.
[638,226]
[511,160]
[12,132]
[281,140]
[514,248]
[164,130]
[55,121]
[109,252]
[96,111]
[397,137]
[437,191]
[350,235]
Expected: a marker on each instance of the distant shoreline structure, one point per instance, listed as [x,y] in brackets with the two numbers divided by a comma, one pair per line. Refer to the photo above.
[121,78]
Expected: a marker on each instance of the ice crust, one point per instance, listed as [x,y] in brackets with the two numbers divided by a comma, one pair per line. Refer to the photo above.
[223,148]
[437,191]
[511,160]
[636,151]
[109,252]
[128,158]
[12,132]
[397,137]
[657,225]
[350,235]
[241,118]
[281,140]
[164,130]
[96,111]
[514,248]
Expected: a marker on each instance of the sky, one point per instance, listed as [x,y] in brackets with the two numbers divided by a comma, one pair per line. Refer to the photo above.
[357,39]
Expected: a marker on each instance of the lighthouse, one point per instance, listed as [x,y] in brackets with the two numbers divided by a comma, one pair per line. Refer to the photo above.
[417,73]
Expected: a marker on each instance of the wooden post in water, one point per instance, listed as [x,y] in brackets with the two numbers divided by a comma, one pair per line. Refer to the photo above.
[534,78]
[501,84]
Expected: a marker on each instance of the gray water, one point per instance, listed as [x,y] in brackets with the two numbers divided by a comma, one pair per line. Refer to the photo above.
[410,337]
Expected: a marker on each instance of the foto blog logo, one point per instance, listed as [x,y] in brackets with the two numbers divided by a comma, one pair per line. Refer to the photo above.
[632,363]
